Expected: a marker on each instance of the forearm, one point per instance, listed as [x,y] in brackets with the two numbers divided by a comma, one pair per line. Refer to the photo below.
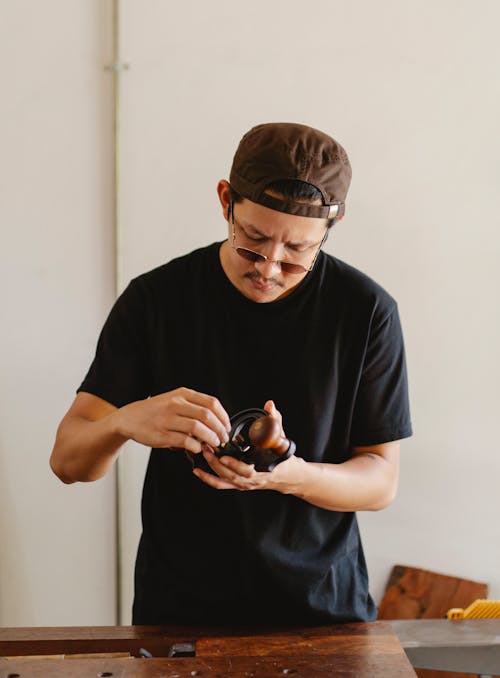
[84,450]
[366,482]
[91,434]
[363,483]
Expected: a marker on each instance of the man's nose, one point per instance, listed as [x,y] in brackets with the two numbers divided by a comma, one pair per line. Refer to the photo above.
[274,253]
[267,268]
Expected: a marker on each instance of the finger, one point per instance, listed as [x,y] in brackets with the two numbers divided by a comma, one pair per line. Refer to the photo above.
[182,441]
[214,481]
[214,463]
[207,417]
[239,467]
[211,403]
[271,409]
[190,410]
[237,475]
[195,428]
[269,406]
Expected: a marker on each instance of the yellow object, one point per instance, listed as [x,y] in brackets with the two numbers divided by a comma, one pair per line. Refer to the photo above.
[479,609]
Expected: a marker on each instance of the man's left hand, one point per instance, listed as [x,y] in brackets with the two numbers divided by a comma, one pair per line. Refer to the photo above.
[233,474]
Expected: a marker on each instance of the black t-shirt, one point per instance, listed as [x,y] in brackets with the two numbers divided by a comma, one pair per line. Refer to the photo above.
[331,356]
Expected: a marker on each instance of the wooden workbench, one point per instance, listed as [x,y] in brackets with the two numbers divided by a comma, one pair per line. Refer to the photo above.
[343,650]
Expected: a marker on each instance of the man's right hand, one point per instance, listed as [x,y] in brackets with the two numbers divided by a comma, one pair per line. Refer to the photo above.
[93,430]
[181,419]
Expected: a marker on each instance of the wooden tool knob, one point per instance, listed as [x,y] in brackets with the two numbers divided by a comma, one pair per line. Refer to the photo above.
[265,433]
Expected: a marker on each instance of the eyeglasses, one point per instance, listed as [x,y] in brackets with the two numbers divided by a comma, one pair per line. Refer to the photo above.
[286,266]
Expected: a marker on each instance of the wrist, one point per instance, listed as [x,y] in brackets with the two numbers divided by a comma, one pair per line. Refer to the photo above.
[116,422]
[288,477]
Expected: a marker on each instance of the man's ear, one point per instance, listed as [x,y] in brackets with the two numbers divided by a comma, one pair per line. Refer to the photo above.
[224,193]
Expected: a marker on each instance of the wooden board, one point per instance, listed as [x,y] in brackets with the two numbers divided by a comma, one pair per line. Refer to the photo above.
[342,650]
[413,593]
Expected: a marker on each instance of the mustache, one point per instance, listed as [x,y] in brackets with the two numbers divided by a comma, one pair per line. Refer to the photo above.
[254,275]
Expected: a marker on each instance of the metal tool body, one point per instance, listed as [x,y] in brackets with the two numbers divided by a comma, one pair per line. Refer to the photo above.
[241,447]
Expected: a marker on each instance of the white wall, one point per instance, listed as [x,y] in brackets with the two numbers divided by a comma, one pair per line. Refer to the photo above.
[57,548]
[410,87]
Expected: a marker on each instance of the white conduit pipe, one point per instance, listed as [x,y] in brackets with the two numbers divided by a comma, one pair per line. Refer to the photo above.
[116,68]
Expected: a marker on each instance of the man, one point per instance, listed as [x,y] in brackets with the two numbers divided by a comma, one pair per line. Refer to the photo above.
[264,318]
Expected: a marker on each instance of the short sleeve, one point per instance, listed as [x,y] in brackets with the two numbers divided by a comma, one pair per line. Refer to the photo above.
[381,410]
[120,371]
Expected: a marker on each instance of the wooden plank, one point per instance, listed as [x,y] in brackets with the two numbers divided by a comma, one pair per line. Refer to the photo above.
[156,639]
[414,593]
[112,633]
[292,646]
[344,650]
[338,665]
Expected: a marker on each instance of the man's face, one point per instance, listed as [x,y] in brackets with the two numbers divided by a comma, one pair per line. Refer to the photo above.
[278,236]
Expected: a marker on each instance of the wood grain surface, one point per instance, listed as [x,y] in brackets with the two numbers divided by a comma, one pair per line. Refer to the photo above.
[414,593]
[344,650]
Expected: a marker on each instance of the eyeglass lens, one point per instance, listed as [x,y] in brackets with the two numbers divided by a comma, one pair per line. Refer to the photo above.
[287,266]
[251,255]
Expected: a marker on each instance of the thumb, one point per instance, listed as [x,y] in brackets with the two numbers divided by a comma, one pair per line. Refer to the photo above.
[271,409]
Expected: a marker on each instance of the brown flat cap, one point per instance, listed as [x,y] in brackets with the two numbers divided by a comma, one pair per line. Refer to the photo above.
[281,150]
